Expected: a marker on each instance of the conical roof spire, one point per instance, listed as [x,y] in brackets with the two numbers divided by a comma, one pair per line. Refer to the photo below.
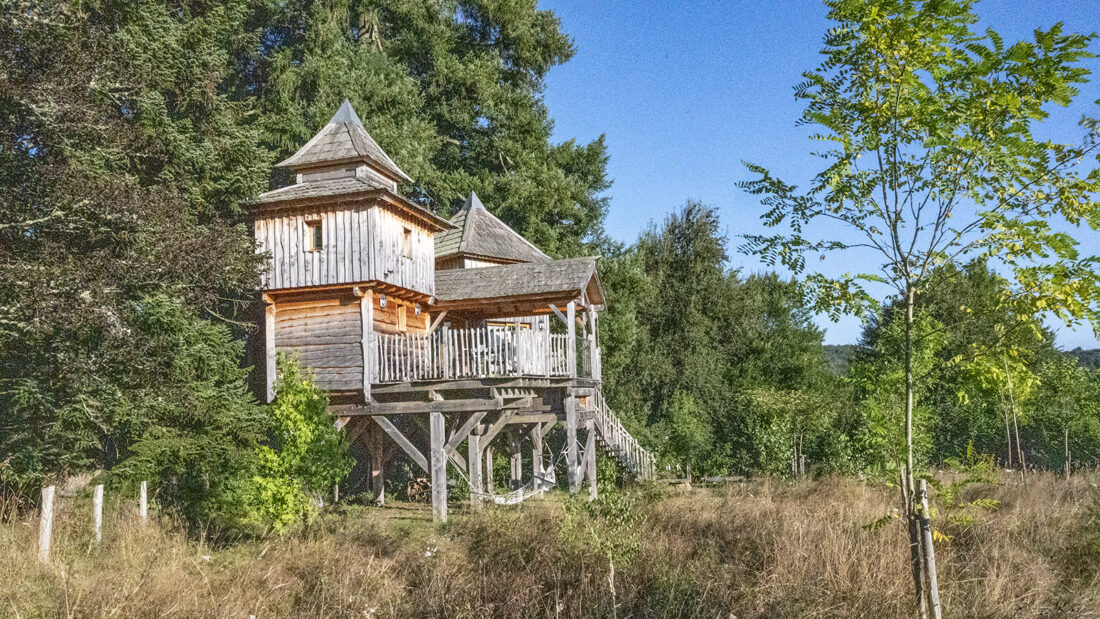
[473,202]
[478,233]
[343,139]
[346,114]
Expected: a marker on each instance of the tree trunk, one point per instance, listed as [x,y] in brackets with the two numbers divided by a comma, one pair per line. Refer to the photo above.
[1015,424]
[1008,438]
[908,494]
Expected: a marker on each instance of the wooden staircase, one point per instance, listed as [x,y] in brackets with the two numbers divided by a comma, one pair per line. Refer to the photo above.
[614,438]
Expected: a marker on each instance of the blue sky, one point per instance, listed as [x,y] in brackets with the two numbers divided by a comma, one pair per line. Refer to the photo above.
[687,91]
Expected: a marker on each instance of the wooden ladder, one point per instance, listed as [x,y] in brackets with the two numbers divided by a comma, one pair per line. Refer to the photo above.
[617,441]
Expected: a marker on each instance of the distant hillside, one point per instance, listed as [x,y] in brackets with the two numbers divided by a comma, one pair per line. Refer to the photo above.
[1087,358]
[839,357]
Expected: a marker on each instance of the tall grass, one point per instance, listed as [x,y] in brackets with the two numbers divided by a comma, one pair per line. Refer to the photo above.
[767,549]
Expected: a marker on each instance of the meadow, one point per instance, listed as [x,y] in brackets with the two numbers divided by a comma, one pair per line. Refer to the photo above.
[767,548]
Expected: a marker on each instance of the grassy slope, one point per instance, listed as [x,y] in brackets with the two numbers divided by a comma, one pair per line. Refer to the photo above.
[760,549]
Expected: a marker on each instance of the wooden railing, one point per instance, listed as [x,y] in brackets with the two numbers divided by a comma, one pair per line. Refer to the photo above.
[626,449]
[482,352]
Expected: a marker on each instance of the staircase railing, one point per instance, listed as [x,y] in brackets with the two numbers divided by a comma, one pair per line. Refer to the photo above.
[626,449]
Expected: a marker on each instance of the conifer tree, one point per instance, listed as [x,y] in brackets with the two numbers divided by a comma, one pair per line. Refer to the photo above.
[453,91]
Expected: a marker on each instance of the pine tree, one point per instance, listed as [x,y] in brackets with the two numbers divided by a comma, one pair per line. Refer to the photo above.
[452,91]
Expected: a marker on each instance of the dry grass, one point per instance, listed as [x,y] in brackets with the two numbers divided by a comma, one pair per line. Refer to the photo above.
[760,549]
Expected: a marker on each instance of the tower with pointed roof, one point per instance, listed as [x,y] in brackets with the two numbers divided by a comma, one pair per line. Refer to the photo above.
[339,237]
[430,332]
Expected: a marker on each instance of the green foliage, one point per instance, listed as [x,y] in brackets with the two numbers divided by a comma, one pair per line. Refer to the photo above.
[452,91]
[688,346]
[930,162]
[306,458]
[122,162]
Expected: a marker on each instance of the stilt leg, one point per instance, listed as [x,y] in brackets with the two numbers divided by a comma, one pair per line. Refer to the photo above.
[473,461]
[590,458]
[536,454]
[516,459]
[438,463]
[378,464]
[571,443]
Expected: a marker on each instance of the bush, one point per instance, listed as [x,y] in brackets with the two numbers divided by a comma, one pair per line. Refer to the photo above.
[306,458]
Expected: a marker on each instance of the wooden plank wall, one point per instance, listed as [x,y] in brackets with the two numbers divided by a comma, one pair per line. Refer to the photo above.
[385,318]
[326,334]
[361,244]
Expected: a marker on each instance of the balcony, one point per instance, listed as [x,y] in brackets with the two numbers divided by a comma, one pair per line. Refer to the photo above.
[482,352]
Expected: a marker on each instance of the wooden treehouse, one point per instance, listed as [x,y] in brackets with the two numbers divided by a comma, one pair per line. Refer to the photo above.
[428,334]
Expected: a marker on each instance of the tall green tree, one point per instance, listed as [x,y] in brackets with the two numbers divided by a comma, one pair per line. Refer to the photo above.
[690,345]
[931,159]
[123,160]
[452,90]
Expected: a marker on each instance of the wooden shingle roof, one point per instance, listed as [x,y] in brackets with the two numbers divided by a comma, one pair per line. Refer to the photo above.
[478,233]
[567,278]
[343,139]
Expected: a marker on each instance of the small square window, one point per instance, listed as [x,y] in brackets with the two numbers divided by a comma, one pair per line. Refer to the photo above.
[315,236]
[407,244]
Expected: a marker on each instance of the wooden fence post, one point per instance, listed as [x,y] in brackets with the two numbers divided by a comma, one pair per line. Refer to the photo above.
[45,524]
[97,512]
[143,505]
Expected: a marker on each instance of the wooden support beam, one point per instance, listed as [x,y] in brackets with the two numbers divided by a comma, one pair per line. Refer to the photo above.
[435,323]
[378,464]
[403,442]
[536,454]
[451,454]
[488,473]
[501,421]
[515,460]
[439,467]
[590,459]
[547,426]
[571,341]
[367,339]
[269,347]
[437,406]
[464,430]
[557,312]
[473,457]
[571,442]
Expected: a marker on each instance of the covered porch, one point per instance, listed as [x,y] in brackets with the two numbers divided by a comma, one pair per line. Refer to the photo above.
[523,320]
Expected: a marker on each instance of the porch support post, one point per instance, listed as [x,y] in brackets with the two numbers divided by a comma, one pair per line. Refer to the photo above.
[439,467]
[571,343]
[516,459]
[590,458]
[536,455]
[269,346]
[473,458]
[488,473]
[378,464]
[366,319]
[571,442]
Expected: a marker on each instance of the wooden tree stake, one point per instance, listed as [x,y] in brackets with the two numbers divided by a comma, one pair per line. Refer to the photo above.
[929,554]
